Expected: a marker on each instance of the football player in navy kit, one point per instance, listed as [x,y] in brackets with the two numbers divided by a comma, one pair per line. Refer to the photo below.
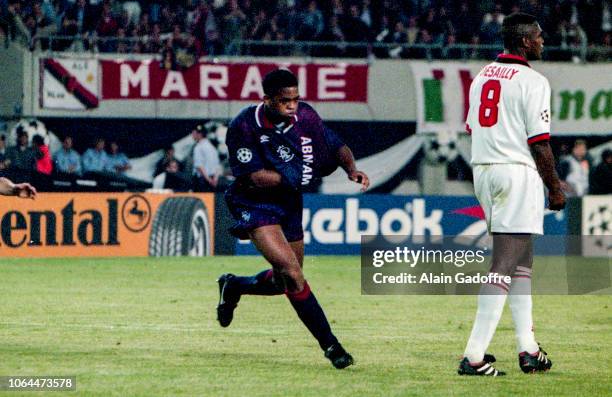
[276,149]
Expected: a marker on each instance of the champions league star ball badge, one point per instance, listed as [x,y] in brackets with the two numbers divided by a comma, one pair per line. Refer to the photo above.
[244,155]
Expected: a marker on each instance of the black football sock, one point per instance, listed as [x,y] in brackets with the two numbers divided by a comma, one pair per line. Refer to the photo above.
[260,284]
[311,314]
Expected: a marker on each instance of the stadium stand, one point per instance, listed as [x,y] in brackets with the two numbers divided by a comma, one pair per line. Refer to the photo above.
[184,30]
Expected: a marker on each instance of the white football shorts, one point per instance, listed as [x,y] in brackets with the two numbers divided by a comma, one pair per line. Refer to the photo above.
[512,197]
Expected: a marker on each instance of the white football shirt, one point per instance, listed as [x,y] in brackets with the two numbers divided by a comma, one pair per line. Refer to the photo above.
[509,110]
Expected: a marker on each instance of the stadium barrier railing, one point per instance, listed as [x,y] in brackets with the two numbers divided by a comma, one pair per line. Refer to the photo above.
[365,50]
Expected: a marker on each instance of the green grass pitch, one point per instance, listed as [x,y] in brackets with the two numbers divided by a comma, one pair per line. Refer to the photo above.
[147,327]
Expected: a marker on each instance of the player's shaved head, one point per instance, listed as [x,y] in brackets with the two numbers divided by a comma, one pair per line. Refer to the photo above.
[515,27]
[278,79]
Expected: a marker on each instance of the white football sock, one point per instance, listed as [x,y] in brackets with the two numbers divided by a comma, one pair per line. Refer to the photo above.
[490,308]
[520,304]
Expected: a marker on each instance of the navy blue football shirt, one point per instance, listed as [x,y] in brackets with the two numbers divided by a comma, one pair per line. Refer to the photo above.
[302,150]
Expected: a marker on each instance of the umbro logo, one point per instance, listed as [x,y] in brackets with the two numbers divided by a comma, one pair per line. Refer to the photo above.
[545,116]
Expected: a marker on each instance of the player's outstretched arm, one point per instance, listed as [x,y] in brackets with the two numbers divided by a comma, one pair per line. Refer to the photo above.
[545,161]
[347,162]
[6,187]
[23,190]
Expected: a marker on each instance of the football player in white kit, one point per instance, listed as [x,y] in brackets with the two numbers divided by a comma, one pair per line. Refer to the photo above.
[509,121]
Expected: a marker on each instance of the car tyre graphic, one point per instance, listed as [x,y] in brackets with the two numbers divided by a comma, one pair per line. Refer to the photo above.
[180,228]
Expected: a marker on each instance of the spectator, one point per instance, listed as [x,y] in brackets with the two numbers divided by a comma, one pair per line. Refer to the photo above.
[366,13]
[426,39]
[177,37]
[144,25]
[338,9]
[95,159]
[572,35]
[12,22]
[171,178]
[606,19]
[206,164]
[30,24]
[600,180]
[289,21]
[574,170]
[233,26]
[276,34]
[163,162]
[476,53]
[153,43]
[107,27]
[169,18]
[155,10]
[312,23]
[189,53]
[384,29]
[67,161]
[450,51]
[355,31]
[464,23]
[3,162]
[490,30]
[133,11]
[400,37]
[79,19]
[413,30]
[432,23]
[591,13]
[168,56]
[121,44]
[44,22]
[44,164]
[205,29]
[333,33]
[21,158]
[260,26]
[117,162]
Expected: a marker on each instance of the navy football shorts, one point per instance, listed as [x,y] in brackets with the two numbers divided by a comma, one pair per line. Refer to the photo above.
[250,215]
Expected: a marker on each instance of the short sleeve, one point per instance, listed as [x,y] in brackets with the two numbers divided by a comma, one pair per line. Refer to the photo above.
[244,156]
[333,141]
[538,111]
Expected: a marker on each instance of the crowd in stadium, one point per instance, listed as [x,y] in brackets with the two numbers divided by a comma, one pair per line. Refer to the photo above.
[106,166]
[183,30]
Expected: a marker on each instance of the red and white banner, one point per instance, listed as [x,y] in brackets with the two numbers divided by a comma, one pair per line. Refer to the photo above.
[69,84]
[145,80]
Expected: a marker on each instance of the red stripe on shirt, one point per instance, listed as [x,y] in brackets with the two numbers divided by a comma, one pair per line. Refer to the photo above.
[539,138]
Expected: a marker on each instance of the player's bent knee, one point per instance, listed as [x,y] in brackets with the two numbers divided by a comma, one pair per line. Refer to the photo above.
[504,267]
[293,279]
